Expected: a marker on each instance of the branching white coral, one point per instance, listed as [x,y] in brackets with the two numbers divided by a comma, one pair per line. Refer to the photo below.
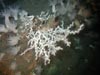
[44,43]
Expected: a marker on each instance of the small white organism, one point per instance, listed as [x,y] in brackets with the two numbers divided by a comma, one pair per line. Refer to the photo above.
[13,65]
[3,28]
[14,50]
[9,15]
[13,40]
[61,8]
[14,12]
[1,56]
[38,70]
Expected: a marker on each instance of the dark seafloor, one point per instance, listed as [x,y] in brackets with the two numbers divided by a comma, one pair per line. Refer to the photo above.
[82,58]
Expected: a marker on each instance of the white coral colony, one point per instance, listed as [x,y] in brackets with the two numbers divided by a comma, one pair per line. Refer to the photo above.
[42,38]
[44,42]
